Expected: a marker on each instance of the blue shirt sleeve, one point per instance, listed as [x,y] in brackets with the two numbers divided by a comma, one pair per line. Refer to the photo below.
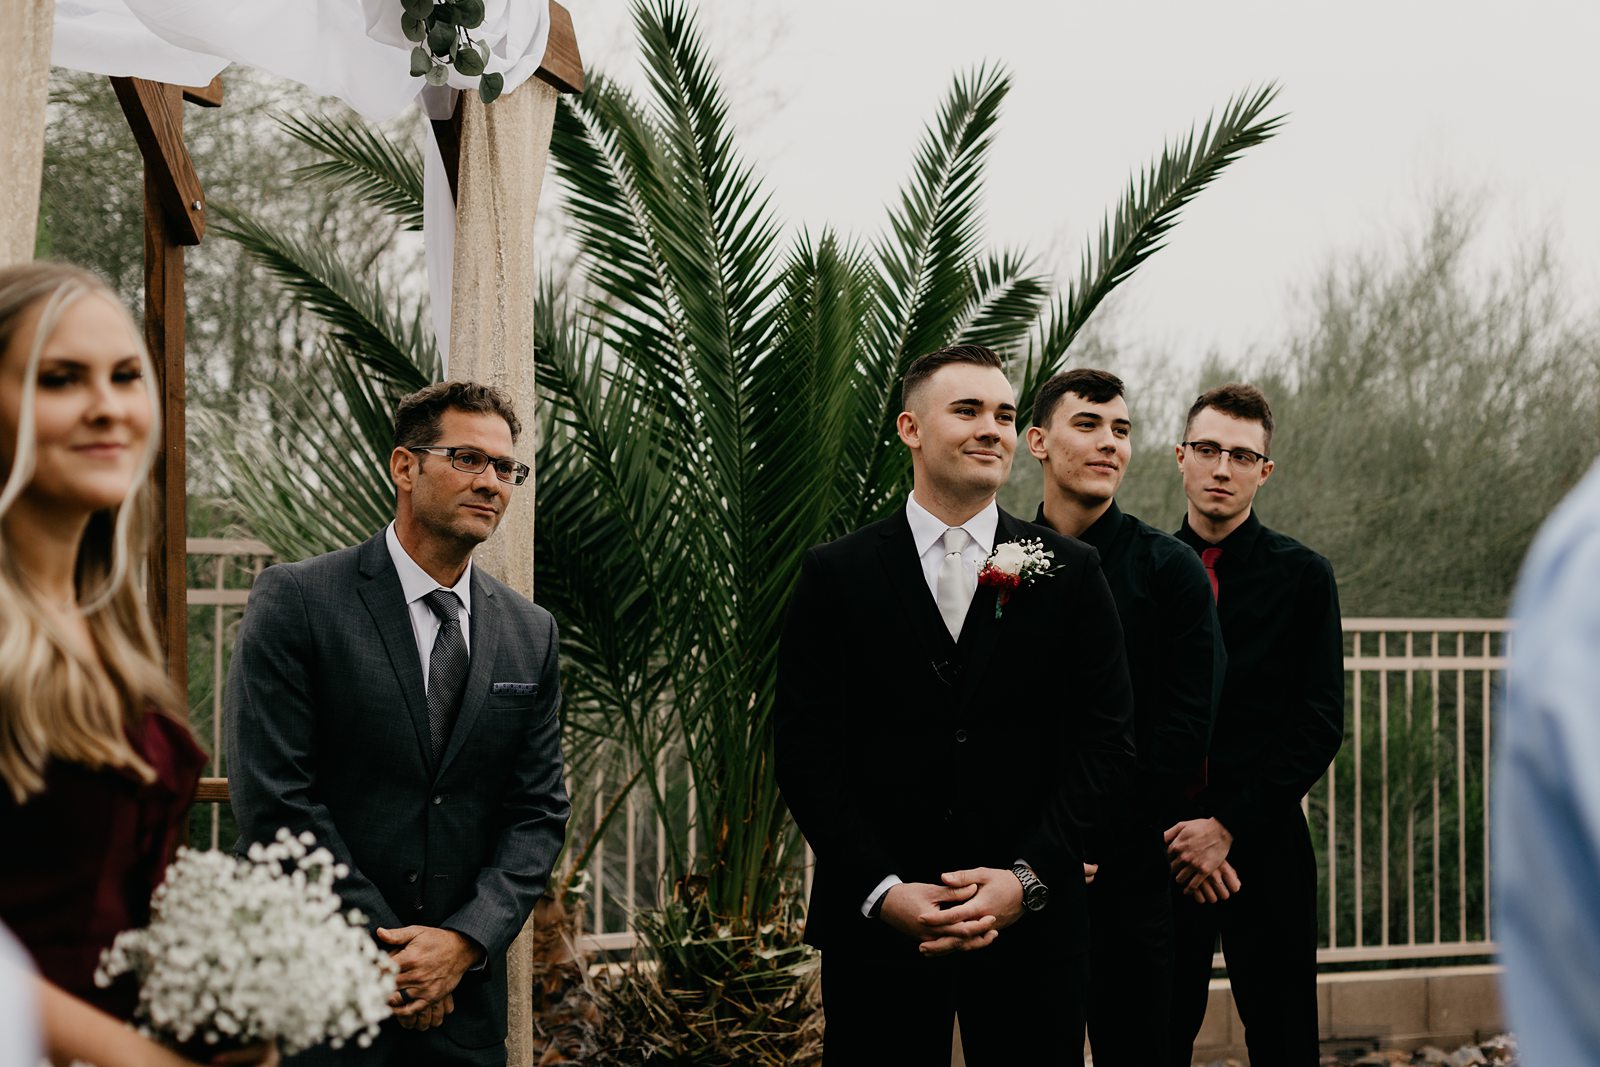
[1547,793]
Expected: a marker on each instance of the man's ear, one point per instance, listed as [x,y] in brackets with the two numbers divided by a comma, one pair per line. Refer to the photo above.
[1266,472]
[1177,451]
[402,469]
[1036,443]
[910,433]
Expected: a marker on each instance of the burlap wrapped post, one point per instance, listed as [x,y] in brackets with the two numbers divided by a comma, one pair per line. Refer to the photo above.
[24,91]
[504,147]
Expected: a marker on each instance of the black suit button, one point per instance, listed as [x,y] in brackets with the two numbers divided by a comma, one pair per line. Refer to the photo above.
[438,798]
[961,735]
[417,906]
[411,876]
[948,814]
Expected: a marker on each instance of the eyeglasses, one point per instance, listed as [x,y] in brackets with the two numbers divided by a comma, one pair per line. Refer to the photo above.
[474,461]
[1241,459]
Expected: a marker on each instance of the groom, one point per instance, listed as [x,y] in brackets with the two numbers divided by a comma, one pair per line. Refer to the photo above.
[945,750]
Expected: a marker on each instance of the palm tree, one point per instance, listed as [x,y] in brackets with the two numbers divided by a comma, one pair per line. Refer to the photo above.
[714,403]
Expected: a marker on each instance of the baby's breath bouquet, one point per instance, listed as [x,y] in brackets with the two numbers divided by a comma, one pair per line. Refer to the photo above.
[241,951]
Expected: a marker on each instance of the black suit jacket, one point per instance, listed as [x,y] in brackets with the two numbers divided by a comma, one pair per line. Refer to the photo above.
[900,751]
[327,731]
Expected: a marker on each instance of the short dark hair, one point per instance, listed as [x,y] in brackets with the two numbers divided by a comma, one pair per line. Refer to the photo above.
[416,421]
[1095,386]
[1241,400]
[925,367]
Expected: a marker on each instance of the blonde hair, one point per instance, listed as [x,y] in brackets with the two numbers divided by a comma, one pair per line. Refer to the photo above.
[55,702]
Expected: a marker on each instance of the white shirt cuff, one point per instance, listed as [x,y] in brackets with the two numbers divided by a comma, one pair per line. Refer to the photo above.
[872,897]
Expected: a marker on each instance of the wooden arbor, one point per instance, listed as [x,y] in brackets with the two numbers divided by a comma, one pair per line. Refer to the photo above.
[174,214]
[490,320]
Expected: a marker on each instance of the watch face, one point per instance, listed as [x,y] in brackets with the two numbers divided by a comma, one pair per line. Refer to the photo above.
[1036,896]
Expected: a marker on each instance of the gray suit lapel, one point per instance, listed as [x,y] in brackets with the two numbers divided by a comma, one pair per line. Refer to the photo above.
[485,642]
[387,604]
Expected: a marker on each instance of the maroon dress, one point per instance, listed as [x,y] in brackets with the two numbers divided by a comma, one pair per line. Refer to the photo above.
[79,860]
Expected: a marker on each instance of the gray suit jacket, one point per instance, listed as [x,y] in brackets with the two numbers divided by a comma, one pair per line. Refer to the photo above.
[327,731]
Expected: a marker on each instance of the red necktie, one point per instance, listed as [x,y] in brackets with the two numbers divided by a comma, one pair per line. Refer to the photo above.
[1209,557]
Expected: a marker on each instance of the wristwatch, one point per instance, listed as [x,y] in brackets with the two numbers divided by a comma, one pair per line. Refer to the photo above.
[1035,894]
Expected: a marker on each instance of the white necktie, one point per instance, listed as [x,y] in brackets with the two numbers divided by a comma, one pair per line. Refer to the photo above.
[955,591]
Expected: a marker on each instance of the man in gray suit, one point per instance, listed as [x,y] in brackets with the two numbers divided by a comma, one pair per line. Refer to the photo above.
[401,705]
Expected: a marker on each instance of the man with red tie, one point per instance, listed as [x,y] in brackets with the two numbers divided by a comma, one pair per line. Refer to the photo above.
[1279,725]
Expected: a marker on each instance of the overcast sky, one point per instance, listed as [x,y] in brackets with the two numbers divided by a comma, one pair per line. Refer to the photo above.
[1387,103]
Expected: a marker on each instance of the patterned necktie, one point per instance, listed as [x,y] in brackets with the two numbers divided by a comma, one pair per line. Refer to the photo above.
[955,590]
[447,669]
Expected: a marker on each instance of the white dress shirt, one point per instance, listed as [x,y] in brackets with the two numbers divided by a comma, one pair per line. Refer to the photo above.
[416,583]
[927,533]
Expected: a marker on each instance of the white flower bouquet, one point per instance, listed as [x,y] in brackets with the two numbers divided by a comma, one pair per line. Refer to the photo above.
[245,951]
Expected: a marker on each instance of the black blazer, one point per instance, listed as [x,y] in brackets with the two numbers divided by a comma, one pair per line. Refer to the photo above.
[327,731]
[902,752]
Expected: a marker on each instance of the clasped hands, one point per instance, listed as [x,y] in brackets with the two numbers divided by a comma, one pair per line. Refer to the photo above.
[1198,850]
[964,912]
[431,963]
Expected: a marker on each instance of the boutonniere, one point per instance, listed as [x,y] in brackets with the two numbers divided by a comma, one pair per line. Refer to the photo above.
[1013,565]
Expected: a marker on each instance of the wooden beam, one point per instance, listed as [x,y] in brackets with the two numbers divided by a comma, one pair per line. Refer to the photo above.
[562,66]
[174,206]
[212,791]
[154,113]
[164,336]
[205,95]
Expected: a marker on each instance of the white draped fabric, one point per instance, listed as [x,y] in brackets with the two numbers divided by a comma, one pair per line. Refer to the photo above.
[350,49]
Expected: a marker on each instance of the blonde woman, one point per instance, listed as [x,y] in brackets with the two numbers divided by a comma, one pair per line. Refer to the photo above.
[96,770]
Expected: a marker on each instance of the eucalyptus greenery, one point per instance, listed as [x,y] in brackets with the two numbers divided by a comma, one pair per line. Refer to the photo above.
[440,30]
[718,399]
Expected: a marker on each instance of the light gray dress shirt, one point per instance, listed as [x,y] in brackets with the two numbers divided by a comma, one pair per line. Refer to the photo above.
[1547,794]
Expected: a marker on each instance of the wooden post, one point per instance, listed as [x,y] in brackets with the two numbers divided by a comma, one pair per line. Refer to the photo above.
[174,216]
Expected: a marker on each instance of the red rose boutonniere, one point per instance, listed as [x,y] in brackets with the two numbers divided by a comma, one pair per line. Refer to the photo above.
[1013,565]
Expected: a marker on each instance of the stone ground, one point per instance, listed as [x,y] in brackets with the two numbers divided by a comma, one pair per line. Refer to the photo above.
[1499,1051]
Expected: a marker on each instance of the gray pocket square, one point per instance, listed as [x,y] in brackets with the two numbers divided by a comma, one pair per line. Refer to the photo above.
[524,689]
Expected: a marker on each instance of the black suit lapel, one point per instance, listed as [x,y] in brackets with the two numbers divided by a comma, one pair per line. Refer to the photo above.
[386,602]
[902,567]
[485,642]
[981,630]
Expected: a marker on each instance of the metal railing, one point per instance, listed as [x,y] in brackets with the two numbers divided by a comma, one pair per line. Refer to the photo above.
[221,571]
[1400,823]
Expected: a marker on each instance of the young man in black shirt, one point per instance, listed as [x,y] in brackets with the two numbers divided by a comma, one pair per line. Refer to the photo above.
[1082,438]
[1279,725]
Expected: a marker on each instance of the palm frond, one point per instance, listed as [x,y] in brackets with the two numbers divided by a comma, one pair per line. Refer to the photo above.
[607,153]
[308,485]
[362,161]
[1149,209]
[925,265]
[396,346]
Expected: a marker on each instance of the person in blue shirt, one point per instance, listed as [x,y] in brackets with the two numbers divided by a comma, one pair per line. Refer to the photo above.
[1547,793]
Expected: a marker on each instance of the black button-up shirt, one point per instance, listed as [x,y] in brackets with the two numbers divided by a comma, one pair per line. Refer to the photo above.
[1175,660]
[1281,718]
